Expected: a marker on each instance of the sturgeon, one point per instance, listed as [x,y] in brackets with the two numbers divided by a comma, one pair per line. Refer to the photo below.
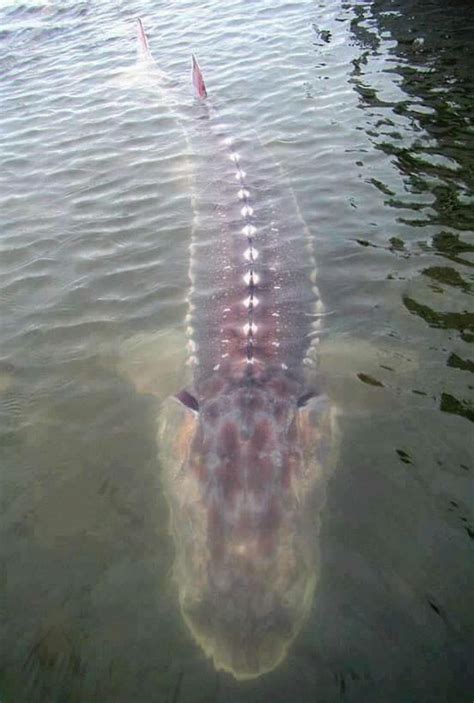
[245,445]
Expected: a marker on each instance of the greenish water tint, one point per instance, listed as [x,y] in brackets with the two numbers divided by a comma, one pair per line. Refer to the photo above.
[368,107]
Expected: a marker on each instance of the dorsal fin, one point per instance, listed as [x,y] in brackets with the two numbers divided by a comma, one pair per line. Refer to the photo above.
[198,80]
[143,47]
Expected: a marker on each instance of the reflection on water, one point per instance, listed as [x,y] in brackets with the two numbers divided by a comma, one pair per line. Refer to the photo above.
[368,107]
[429,139]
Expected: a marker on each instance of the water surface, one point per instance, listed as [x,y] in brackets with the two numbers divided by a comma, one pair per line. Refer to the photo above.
[368,107]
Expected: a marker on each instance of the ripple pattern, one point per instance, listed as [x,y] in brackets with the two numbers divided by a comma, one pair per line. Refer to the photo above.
[367,108]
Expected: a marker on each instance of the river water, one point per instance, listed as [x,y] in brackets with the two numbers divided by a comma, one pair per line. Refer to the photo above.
[368,107]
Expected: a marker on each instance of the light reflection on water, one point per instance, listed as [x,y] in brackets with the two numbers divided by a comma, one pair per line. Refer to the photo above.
[369,110]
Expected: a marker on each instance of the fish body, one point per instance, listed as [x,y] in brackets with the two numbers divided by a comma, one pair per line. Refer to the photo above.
[246,445]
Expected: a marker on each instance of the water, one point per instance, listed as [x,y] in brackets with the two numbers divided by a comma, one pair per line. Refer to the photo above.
[368,108]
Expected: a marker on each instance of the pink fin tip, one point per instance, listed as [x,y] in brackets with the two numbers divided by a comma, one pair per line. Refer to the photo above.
[142,39]
[198,80]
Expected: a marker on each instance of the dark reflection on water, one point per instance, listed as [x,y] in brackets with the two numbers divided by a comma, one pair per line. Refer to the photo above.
[425,127]
[90,615]
[462,321]
[432,58]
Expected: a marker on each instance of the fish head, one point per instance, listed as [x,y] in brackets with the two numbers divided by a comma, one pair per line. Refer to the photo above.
[243,473]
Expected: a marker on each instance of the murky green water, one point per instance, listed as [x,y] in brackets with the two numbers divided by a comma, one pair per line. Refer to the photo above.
[369,109]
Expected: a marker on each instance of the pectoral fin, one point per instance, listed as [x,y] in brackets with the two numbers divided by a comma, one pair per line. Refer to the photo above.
[177,425]
[318,436]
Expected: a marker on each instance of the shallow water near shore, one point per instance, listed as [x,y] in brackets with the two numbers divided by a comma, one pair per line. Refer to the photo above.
[368,108]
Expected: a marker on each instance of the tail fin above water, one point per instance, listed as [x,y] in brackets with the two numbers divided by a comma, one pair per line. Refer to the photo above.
[198,80]
[144,52]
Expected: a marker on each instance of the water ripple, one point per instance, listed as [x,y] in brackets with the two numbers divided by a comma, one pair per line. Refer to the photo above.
[367,107]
